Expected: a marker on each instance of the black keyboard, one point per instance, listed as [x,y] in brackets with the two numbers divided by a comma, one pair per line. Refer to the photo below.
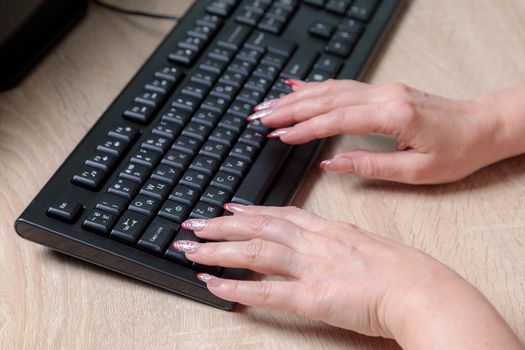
[175,144]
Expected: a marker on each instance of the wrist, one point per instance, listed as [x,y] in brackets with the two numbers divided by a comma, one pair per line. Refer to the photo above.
[505,116]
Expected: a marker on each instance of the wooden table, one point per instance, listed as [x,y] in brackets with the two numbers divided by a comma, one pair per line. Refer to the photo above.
[477,226]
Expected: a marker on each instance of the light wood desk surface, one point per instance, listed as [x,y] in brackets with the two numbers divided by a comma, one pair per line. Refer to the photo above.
[477,226]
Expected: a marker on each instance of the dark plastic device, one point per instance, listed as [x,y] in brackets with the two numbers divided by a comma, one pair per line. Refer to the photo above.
[176,144]
[29,29]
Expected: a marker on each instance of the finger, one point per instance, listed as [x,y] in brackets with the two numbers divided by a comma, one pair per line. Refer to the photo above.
[277,295]
[246,227]
[302,218]
[257,255]
[293,109]
[400,166]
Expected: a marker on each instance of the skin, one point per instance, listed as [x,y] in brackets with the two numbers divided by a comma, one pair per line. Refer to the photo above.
[341,274]
[439,140]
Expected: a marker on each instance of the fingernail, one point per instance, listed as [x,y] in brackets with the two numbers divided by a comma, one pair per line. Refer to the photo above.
[293,82]
[277,133]
[195,224]
[266,105]
[260,114]
[204,277]
[186,246]
[234,208]
[324,164]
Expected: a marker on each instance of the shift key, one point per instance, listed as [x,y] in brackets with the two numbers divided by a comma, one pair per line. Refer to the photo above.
[158,235]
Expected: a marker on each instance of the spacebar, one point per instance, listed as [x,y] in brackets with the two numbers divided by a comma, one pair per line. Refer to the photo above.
[263,171]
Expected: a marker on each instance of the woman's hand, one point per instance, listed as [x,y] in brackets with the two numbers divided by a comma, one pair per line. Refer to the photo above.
[438,140]
[340,274]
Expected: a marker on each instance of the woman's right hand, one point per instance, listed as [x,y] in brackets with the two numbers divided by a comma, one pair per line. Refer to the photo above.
[438,140]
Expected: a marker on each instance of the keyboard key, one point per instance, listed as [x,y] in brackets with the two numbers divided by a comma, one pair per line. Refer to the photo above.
[241,66]
[244,152]
[225,136]
[233,122]
[250,96]
[204,77]
[329,63]
[146,157]
[250,55]
[124,132]
[176,255]
[100,160]
[144,205]
[216,104]
[112,204]
[214,150]
[205,210]
[258,126]
[260,84]
[187,144]
[195,179]
[170,73]
[155,189]
[256,183]
[204,164]
[193,43]
[195,89]
[185,102]
[210,21]
[130,226]
[162,86]
[203,31]
[362,9]
[300,63]
[220,7]
[221,54]
[225,181]
[224,90]
[338,6]
[206,117]
[138,113]
[155,142]
[113,146]
[177,115]
[261,41]
[241,109]
[158,235]
[174,211]
[184,194]
[88,177]
[177,159]
[66,210]
[134,172]
[167,129]
[233,35]
[253,138]
[186,57]
[196,131]
[216,196]
[150,98]
[99,222]
[167,174]
[321,29]
[235,166]
[271,24]
[123,188]
[266,71]
[319,75]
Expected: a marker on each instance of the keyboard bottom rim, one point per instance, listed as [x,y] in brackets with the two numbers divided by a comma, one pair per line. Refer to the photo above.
[283,191]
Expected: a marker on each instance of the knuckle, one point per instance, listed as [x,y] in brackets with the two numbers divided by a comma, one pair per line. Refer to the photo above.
[253,249]
[261,223]
[263,293]
[403,109]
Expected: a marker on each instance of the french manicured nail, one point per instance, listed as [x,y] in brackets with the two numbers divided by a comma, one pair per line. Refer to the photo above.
[293,82]
[195,224]
[234,208]
[277,133]
[324,164]
[204,277]
[266,105]
[261,114]
[186,246]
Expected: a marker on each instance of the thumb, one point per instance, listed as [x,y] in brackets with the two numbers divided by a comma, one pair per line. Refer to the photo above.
[400,166]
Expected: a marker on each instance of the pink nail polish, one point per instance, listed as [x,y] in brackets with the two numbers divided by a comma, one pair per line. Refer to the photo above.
[195,224]
[277,133]
[260,114]
[266,105]
[293,82]
[204,277]
[186,246]
[324,164]
[234,208]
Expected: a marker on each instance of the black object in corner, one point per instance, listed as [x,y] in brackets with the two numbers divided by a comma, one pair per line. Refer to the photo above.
[40,29]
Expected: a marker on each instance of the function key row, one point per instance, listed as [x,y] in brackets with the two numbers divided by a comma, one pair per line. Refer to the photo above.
[271,16]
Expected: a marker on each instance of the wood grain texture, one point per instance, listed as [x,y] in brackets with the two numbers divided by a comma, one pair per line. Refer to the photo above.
[477,226]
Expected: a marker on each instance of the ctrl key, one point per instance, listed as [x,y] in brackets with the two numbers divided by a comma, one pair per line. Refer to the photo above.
[99,222]
[65,210]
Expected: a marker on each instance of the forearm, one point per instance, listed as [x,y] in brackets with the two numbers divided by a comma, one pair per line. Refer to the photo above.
[454,315]
[508,109]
